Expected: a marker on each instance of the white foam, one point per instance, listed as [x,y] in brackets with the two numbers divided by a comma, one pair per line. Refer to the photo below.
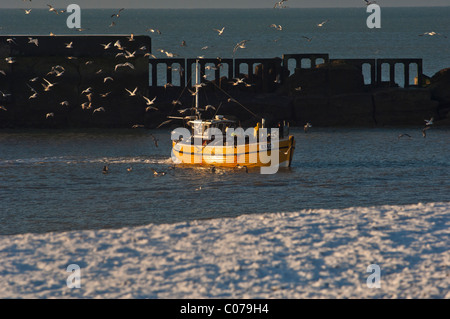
[318,253]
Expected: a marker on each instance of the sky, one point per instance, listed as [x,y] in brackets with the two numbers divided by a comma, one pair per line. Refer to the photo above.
[188,4]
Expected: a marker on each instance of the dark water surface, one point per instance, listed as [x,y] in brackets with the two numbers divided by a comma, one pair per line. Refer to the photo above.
[53,181]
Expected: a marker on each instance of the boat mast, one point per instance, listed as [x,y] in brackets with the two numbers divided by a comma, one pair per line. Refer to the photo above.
[196,87]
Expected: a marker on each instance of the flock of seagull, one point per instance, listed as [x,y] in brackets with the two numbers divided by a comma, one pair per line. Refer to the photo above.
[58,71]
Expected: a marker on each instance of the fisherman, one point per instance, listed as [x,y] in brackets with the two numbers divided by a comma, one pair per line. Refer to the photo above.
[256,131]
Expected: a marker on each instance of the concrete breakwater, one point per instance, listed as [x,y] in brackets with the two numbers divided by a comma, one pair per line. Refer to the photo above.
[115,81]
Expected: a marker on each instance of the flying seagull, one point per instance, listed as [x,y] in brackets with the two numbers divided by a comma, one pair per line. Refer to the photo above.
[429,122]
[118,13]
[149,102]
[132,93]
[52,9]
[424,131]
[431,34]
[306,127]
[276,27]
[322,23]
[220,31]
[123,65]
[240,45]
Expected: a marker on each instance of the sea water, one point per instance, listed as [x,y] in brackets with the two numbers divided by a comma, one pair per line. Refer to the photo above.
[52,180]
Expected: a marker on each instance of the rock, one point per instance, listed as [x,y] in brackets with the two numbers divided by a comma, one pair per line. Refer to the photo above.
[440,87]
[326,79]
[398,106]
[343,77]
[354,109]
[311,109]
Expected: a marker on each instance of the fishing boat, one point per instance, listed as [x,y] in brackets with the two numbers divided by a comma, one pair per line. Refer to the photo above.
[221,142]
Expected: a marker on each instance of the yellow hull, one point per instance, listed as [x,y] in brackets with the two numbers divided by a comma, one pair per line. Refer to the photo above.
[250,155]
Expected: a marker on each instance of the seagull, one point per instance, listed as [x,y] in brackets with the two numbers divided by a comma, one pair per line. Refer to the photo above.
[240,81]
[3,72]
[64,103]
[163,123]
[3,108]
[369,2]
[10,60]
[88,90]
[431,34]
[156,173]
[105,94]
[401,135]
[130,55]
[276,27]
[106,46]
[279,4]
[49,115]
[209,107]
[34,95]
[108,78]
[132,93]
[69,45]
[5,95]
[424,131]
[155,140]
[11,40]
[131,38]
[306,127]
[240,45]
[154,31]
[220,31]
[86,106]
[308,39]
[118,45]
[148,108]
[129,169]
[118,13]
[99,109]
[149,102]
[27,11]
[123,65]
[169,54]
[175,102]
[322,23]
[242,167]
[185,110]
[137,126]
[49,86]
[429,122]
[52,9]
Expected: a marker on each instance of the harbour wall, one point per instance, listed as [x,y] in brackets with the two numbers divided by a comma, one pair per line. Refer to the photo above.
[107,81]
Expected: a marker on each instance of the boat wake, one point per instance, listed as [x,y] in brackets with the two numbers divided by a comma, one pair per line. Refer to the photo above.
[86,160]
